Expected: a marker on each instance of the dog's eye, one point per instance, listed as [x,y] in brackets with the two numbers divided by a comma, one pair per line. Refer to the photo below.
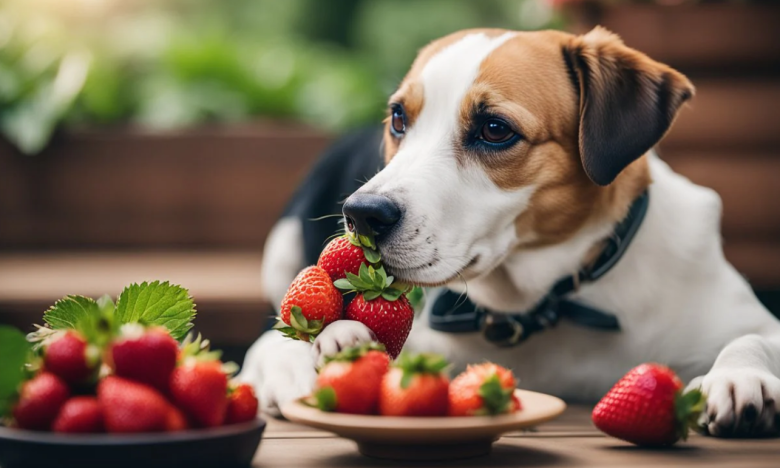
[398,120]
[496,131]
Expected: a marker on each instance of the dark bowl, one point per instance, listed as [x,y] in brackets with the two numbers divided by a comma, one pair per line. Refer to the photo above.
[227,446]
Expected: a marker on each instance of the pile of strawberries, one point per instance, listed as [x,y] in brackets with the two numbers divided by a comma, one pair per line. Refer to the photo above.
[352,264]
[363,380]
[142,380]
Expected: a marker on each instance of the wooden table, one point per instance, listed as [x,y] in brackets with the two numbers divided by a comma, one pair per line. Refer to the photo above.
[569,441]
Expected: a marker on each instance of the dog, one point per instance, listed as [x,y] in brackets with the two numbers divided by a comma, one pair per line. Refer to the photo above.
[513,160]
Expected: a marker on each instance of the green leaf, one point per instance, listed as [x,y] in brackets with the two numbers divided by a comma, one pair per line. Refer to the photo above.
[371,255]
[357,282]
[344,284]
[297,320]
[79,313]
[326,399]
[367,241]
[157,303]
[371,295]
[106,305]
[423,363]
[391,294]
[688,406]
[15,350]
[495,398]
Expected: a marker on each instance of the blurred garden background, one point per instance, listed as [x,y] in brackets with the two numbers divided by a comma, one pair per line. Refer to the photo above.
[160,139]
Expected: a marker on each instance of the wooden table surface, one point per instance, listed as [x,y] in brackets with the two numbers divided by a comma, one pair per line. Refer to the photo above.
[569,441]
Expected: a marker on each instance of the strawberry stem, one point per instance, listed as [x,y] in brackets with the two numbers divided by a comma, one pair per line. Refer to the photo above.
[687,408]
[495,398]
[423,363]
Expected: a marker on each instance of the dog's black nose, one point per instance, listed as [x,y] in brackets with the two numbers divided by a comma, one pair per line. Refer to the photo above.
[367,214]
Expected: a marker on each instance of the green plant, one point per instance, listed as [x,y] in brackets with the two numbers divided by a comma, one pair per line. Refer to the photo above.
[163,64]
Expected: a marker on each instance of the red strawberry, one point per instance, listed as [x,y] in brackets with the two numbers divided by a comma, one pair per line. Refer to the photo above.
[380,305]
[483,389]
[311,303]
[80,414]
[40,400]
[350,381]
[70,358]
[131,406]
[415,386]
[343,255]
[199,388]
[242,405]
[144,355]
[647,407]
[175,420]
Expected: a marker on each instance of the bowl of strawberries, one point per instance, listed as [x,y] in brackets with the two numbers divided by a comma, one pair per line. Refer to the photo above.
[408,409]
[122,384]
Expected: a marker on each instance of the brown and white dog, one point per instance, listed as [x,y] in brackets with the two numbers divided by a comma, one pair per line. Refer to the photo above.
[510,158]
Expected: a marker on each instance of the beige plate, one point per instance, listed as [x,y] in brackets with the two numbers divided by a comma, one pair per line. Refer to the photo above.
[428,438]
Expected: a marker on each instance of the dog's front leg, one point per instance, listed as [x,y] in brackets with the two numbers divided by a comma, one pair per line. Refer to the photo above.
[280,370]
[743,388]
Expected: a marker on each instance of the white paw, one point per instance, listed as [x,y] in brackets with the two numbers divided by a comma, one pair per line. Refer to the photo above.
[740,402]
[337,336]
[280,370]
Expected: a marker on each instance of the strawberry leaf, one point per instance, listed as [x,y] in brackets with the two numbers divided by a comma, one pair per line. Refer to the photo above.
[297,320]
[423,363]
[391,294]
[367,241]
[371,255]
[371,295]
[344,284]
[357,282]
[495,398]
[326,399]
[687,407]
[157,303]
[78,313]
[15,351]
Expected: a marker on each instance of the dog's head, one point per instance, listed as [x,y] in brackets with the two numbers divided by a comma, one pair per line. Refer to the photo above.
[498,141]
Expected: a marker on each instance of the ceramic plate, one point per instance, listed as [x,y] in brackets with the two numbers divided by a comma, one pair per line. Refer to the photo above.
[428,438]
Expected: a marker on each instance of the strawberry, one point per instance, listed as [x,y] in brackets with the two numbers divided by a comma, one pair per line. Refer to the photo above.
[71,358]
[242,405]
[131,406]
[80,414]
[146,355]
[415,386]
[380,305]
[175,420]
[199,388]
[40,400]
[647,407]
[311,303]
[483,389]
[345,255]
[350,381]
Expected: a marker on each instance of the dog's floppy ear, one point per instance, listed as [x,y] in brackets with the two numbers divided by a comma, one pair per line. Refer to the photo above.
[627,101]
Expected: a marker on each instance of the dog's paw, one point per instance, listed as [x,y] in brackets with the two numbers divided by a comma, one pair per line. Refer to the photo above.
[280,370]
[740,402]
[337,336]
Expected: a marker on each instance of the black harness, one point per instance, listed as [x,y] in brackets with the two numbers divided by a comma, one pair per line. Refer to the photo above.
[454,313]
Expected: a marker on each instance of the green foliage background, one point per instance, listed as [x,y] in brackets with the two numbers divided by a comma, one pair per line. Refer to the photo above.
[163,64]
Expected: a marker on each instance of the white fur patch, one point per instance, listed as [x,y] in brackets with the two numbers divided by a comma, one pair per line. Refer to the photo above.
[454,216]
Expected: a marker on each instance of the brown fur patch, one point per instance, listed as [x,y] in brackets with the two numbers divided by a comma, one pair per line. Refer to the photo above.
[526,82]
